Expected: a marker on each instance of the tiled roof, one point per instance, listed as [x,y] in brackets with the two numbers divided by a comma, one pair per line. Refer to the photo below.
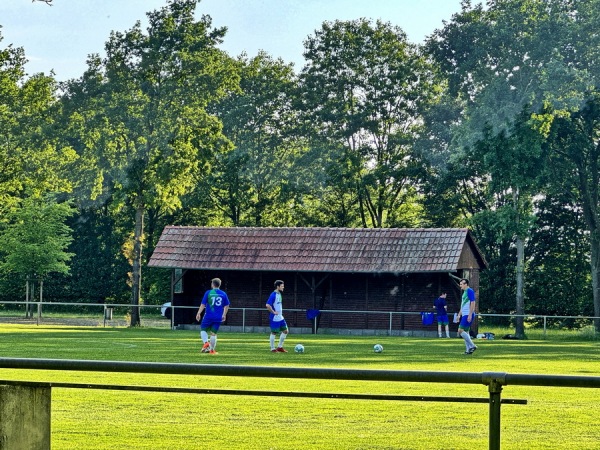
[370,250]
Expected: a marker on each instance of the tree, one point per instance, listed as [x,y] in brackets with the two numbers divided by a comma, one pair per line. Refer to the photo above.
[501,62]
[559,278]
[574,149]
[34,165]
[35,241]
[519,184]
[250,181]
[98,267]
[363,87]
[32,161]
[150,134]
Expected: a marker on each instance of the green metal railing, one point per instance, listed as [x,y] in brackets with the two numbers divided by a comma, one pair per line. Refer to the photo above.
[495,381]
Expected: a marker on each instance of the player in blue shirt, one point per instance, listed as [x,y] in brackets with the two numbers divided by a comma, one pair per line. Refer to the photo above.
[467,314]
[216,304]
[442,314]
[276,320]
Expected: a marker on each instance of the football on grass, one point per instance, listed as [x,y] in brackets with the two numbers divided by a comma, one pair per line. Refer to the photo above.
[378,348]
[299,348]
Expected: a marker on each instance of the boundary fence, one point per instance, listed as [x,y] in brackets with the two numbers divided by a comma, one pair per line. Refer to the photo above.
[495,381]
[106,315]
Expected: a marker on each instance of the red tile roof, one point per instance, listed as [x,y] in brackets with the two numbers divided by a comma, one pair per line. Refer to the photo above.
[370,250]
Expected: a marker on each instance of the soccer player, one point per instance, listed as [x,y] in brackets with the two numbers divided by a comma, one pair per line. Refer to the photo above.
[216,303]
[442,314]
[276,320]
[467,314]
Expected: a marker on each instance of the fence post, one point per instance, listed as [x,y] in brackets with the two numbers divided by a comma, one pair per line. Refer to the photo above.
[172,316]
[544,327]
[25,414]
[494,382]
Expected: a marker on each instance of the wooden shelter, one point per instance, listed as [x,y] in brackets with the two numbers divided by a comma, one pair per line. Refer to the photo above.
[357,272]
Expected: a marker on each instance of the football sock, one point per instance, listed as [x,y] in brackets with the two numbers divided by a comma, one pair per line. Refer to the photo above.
[467,338]
[281,339]
[272,340]
[213,341]
[204,336]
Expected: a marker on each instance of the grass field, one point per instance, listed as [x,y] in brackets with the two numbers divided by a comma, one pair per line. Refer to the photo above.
[554,418]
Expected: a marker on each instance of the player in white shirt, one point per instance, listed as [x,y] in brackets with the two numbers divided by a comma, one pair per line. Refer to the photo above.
[276,320]
[467,314]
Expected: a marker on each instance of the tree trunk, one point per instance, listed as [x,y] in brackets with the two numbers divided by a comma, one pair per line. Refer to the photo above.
[520,272]
[519,327]
[41,297]
[137,267]
[595,253]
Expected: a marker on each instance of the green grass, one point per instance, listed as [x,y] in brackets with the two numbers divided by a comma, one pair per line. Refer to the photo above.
[555,418]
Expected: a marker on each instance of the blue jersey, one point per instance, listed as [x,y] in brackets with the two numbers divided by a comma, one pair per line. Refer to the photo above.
[440,306]
[215,301]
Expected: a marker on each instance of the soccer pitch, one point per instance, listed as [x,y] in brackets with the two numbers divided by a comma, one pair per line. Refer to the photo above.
[556,418]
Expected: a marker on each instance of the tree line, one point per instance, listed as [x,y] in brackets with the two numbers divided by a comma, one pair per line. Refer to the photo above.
[492,123]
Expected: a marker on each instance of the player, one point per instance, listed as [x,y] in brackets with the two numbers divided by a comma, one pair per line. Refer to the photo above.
[467,314]
[442,314]
[216,303]
[276,320]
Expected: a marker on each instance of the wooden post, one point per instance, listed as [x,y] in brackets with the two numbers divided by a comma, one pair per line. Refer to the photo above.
[25,417]
[27,296]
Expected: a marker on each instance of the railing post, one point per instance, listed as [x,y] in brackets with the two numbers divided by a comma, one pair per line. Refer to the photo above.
[172,316]
[25,413]
[494,382]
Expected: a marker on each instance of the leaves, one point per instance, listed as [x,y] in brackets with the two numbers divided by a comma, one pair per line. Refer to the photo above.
[364,87]
[35,241]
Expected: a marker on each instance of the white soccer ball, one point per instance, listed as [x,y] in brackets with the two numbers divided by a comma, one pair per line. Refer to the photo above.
[299,348]
[378,348]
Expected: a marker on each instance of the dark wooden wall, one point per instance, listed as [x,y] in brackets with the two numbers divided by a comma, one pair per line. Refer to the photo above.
[325,291]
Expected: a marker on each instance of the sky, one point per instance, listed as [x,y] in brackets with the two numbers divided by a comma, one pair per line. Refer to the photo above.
[60,37]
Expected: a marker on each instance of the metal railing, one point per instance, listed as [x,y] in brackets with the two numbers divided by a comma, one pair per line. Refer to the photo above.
[495,381]
[392,316]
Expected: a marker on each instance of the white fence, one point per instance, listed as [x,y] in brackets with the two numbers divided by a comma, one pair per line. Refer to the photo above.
[41,312]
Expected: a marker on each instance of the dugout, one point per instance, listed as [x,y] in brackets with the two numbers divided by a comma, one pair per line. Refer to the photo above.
[339,269]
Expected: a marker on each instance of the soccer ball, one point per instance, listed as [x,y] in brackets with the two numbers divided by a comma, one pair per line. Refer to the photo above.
[299,348]
[378,348]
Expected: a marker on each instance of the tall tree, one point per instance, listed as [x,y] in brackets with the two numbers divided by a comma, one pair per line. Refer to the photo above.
[574,148]
[518,184]
[34,168]
[32,161]
[500,62]
[249,181]
[558,273]
[363,87]
[574,137]
[151,133]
